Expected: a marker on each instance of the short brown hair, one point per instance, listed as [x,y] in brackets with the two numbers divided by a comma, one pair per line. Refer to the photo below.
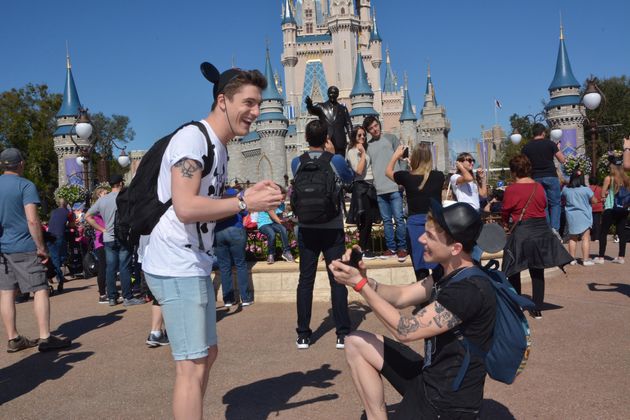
[244,77]
[520,166]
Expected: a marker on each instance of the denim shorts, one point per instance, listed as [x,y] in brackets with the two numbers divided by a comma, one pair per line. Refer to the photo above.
[189,311]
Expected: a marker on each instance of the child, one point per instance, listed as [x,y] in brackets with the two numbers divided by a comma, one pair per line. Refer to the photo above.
[578,198]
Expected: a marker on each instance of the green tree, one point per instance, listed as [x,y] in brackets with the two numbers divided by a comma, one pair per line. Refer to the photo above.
[106,132]
[509,150]
[614,109]
[27,122]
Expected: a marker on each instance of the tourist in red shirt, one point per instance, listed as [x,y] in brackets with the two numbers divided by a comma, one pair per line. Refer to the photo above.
[532,244]
[598,208]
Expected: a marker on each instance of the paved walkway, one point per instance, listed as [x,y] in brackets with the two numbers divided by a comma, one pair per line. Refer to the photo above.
[579,366]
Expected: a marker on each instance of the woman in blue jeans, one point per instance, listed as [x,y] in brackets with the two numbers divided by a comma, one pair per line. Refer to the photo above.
[230,240]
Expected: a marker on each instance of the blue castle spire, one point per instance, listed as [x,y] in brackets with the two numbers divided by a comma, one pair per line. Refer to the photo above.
[361,85]
[564,75]
[390,80]
[271,91]
[407,112]
[430,91]
[287,13]
[70,104]
[374,35]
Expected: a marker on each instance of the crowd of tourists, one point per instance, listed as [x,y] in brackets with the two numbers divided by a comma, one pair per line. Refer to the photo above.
[433,218]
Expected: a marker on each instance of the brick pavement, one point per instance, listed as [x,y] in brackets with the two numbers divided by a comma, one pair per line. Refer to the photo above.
[579,367]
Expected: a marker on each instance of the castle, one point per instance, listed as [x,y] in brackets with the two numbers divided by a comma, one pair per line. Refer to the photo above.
[326,43]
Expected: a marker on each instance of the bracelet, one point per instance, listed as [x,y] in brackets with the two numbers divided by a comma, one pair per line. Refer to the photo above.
[357,287]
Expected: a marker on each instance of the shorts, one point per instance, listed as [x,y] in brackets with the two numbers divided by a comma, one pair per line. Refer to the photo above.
[189,311]
[24,270]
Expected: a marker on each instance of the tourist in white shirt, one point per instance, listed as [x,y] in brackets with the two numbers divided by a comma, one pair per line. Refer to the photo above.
[466,187]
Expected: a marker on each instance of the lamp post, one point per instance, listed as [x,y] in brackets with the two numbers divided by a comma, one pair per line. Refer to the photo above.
[591,98]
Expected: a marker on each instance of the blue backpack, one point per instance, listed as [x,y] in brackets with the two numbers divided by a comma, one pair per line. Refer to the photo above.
[511,340]
[622,199]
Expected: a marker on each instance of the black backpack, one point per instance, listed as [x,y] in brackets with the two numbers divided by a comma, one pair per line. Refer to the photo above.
[316,196]
[138,207]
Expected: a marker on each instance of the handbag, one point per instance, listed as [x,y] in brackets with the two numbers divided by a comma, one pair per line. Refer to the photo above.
[448,199]
[524,209]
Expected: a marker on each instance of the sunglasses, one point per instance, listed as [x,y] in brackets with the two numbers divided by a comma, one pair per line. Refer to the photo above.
[471,160]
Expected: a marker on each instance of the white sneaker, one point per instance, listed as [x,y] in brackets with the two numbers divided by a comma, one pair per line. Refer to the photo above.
[616,239]
[574,262]
[598,260]
[588,262]
[618,260]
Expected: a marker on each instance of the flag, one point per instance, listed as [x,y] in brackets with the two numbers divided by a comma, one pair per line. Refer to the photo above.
[497,104]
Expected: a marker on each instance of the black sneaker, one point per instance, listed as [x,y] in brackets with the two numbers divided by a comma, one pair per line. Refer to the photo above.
[20,343]
[341,342]
[535,313]
[112,302]
[103,299]
[53,343]
[369,255]
[303,343]
[154,341]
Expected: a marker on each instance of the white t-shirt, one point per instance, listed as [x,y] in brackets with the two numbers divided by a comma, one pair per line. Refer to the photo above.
[179,249]
[467,192]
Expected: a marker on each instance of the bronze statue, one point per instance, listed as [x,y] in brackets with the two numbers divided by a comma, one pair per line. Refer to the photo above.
[336,117]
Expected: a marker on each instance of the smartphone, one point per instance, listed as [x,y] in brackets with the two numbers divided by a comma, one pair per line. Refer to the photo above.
[405,154]
[355,257]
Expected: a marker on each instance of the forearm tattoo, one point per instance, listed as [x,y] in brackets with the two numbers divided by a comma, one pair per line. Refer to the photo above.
[444,317]
[410,323]
[188,167]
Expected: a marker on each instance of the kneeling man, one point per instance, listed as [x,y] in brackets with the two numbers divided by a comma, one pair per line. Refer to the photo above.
[450,309]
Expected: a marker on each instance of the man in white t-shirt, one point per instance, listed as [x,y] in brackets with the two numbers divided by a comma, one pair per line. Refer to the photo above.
[177,262]
[464,184]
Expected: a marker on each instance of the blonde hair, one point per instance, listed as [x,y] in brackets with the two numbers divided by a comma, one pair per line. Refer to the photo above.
[619,176]
[421,162]
[96,193]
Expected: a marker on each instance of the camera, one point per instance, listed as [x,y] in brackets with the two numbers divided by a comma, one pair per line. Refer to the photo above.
[355,257]
[405,154]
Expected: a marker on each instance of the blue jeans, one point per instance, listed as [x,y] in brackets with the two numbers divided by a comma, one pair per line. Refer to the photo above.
[230,251]
[551,184]
[391,207]
[270,232]
[58,253]
[118,259]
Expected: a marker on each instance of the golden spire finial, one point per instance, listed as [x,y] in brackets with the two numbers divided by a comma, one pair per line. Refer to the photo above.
[561,27]
[406,79]
[68,65]
[387,55]
[428,68]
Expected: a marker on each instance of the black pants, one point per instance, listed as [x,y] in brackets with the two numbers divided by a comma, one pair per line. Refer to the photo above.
[538,285]
[313,242]
[365,230]
[100,271]
[618,218]
[597,226]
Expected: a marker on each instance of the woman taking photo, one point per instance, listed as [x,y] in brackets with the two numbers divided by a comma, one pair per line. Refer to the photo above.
[531,244]
[466,186]
[421,184]
[363,206]
[613,215]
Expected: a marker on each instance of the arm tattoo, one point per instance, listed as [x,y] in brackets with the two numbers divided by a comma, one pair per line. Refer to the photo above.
[188,167]
[409,324]
[444,317]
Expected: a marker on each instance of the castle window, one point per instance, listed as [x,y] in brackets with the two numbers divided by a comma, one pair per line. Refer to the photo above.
[308,13]
[309,28]
[343,11]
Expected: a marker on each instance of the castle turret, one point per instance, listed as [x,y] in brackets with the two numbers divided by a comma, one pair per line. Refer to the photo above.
[363,7]
[289,55]
[392,98]
[69,171]
[564,110]
[362,96]
[272,127]
[434,126]
[344,27]
[408,126]
[375,50]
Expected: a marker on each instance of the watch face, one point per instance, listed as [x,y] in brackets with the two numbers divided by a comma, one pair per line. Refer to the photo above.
[242,205]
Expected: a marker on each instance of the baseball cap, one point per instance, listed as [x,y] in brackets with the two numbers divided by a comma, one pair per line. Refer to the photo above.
[115,179]
[220,80]
[10,156]
[615,160]
[463,223]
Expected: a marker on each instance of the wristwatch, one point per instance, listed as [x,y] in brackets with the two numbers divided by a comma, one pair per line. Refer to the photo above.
[242,205]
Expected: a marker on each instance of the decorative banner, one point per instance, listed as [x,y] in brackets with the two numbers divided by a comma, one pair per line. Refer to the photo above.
[74,171]
[568,141]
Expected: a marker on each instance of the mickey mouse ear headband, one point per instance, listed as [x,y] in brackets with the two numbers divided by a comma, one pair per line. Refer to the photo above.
[219,80]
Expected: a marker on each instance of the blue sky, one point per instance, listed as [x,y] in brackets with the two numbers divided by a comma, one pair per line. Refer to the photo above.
[141,58]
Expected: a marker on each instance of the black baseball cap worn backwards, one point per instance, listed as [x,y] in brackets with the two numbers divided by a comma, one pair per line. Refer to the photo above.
[219,80]
[463,223]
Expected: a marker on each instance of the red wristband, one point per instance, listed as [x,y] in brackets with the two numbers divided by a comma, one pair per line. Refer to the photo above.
[357,287]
